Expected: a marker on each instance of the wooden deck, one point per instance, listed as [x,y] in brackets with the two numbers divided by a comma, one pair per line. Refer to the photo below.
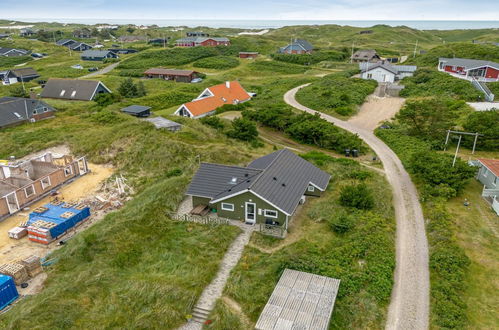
[300,301]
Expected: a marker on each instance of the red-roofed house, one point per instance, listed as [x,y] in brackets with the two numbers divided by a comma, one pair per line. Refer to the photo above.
[230,92]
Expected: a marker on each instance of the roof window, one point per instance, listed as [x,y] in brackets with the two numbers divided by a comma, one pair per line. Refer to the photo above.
[73,94]
[233,180]
[62,92]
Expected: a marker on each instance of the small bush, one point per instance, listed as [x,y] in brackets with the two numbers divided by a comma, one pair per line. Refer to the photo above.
[105,99]
[214,122]
[243,129]
[357,196]
[342,222]
[18,91]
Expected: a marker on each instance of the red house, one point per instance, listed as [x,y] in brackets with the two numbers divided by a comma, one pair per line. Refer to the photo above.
[202,41]
[469,69]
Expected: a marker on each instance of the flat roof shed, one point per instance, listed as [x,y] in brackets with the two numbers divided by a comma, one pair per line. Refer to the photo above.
[160,122]
[300,301]
[137,110]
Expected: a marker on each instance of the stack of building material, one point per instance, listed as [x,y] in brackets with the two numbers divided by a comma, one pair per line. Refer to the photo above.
[33,265]
[18,232]
[16,271]
[54,219]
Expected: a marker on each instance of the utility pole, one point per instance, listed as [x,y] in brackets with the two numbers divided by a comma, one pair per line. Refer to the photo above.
[415,48]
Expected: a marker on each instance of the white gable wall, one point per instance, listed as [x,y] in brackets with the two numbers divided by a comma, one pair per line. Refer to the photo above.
[379,74]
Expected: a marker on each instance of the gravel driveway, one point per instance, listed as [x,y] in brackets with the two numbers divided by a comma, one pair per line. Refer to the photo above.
[409,306]
[102,71]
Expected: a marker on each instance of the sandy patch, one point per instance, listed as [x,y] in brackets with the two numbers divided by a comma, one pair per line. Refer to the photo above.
[376,110]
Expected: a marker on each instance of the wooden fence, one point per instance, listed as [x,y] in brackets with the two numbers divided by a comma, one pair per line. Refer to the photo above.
[205,220]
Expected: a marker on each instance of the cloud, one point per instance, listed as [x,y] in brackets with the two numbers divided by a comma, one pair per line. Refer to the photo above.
[256,9]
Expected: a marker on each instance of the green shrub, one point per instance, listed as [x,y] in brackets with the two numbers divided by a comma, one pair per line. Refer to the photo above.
[217,62]
[486,123]
[336,93]
[213,121]
[451,50]
[312,129]
[8,62]
[430,118]
[430,82]
[307,128]
[436,169]
[342,222]
[105,99]
[19,91]
[243,129]
[129,89]
[358,196]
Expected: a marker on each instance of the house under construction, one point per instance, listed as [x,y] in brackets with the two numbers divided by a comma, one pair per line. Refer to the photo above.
[24,182]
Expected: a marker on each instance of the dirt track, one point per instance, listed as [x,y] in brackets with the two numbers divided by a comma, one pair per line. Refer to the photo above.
[409,307]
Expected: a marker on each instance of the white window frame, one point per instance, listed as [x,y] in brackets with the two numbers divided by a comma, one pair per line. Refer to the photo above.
[26,193]
[49,182]
[495,181]
[227,207]
[70,170]
[369,76]
[265,213]
[311,188]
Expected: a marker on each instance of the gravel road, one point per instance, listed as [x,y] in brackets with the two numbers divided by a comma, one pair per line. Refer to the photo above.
[409,306]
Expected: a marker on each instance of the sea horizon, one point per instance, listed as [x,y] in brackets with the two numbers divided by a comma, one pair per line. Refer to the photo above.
[271,24]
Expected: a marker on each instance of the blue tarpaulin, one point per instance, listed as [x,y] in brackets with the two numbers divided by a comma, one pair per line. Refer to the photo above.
[8,291]
[53,214]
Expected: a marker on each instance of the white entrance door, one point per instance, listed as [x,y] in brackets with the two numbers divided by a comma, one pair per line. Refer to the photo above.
[12,202]
[250,213]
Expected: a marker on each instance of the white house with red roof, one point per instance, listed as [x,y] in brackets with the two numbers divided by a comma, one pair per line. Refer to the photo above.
[230,92]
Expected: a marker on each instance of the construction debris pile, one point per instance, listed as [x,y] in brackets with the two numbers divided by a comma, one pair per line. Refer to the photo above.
[22,270]
[52,220]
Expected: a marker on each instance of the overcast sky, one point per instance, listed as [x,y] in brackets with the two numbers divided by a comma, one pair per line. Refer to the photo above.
[254,9]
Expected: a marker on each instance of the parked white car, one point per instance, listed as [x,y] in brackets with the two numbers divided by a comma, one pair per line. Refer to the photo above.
[196,80]
[77,66]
